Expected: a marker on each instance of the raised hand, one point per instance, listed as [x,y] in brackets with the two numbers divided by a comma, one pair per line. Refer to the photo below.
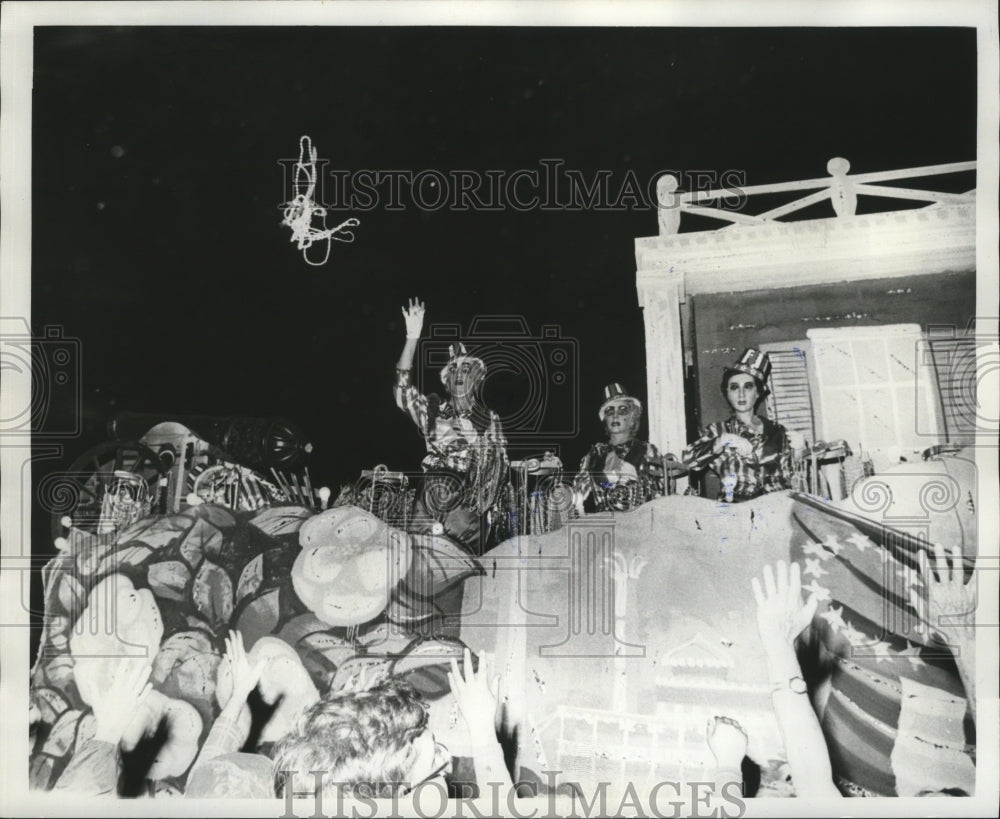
[477,694]
[947,595]
[413,314]
[245,676]
[115,706]
[781,614]
[727,740]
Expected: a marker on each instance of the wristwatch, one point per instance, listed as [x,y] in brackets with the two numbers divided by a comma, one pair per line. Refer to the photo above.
[794,684]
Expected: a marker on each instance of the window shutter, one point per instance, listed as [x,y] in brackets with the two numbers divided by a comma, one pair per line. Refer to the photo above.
[955,367]
[790,402]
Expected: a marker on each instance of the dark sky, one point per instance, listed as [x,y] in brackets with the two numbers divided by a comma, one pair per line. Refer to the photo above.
[157,238]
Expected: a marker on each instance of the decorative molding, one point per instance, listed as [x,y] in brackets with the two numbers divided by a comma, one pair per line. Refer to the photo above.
[921,241]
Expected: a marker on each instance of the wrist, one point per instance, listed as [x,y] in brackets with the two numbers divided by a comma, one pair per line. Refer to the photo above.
[729,773]
[782,664]
[483,735]
[111,736]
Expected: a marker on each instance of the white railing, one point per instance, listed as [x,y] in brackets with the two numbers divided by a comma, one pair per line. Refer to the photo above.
[841,188]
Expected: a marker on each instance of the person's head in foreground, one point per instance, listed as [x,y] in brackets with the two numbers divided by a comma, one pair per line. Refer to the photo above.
[374,743]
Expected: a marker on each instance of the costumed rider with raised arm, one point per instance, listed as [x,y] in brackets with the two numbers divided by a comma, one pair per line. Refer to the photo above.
[623,472]
[466,467]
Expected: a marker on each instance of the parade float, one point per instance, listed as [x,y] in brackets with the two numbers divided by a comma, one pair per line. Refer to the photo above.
[618,634]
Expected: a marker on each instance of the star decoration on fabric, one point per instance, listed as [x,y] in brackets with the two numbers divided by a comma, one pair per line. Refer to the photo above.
[854,637]
[833,545]
[882,651]
[835,617]
[912,653]
[821,593]
[813,568]
[884,555]
[817,550]
[861,541]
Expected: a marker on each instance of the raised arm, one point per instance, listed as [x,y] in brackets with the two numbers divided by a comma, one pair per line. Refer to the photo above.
[413,315]
[95,767]
[781,617]
[229,733]
[408,398]
[478,697]
[948,608]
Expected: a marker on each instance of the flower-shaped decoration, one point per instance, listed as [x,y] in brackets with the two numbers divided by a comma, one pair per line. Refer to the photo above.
[349,565]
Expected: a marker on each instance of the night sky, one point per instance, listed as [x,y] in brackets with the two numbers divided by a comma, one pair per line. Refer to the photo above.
[156,189]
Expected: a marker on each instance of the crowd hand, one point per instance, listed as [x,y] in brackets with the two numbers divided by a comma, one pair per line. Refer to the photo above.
[245,676]
[946,595]
[781,614]
[414,317]
[477,694]
[739,443]
[115,706]
[727,740]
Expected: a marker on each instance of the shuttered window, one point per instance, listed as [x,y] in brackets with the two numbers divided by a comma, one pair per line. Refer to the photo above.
[790,402]
[954,361]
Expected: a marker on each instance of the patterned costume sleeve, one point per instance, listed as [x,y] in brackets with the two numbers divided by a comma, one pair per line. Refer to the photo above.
[409,399]
[700,450]
[778,476]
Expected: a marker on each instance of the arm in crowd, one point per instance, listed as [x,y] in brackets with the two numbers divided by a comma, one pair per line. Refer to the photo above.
[781,617]
[477,695]
[727,740]
[228,734]
[95,768]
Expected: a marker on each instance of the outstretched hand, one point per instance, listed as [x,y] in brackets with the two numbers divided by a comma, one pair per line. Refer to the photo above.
[781,614]
[413,314]
[477,694]
[947,596]
[245,676]
[115,706]
[727,740]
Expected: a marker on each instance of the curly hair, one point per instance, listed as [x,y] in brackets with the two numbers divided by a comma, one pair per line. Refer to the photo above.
[362,742]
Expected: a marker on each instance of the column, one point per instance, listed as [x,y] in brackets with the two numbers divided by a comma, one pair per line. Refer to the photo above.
[664,365]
